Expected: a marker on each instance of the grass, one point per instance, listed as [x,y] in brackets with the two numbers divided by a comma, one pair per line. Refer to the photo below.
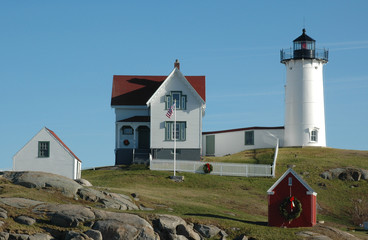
[236,204]
[239,204]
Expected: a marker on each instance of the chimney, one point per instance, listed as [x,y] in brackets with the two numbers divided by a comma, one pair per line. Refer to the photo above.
[177,64]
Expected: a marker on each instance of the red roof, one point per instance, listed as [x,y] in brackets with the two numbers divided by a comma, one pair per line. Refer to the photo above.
[137,90]
[62,143]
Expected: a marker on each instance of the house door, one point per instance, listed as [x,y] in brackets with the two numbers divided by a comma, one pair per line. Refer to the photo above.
[210,145]
[143,137]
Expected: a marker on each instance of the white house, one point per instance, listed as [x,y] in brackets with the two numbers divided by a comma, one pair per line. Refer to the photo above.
[221,143]
[142,127]
[46,152]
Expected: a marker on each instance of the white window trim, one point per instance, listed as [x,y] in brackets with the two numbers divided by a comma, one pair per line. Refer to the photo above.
[181,130]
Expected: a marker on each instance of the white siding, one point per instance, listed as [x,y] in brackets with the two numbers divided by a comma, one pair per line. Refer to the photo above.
[192,116]
[59,161]
[234,141]
[304,102]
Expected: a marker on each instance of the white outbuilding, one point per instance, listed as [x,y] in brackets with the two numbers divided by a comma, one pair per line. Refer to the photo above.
[46,152]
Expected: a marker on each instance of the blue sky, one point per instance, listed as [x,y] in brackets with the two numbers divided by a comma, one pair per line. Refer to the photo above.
[57,59]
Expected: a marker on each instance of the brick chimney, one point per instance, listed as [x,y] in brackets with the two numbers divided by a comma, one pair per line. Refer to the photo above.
[177,64]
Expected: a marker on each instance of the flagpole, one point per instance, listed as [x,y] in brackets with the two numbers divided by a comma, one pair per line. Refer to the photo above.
[175,137]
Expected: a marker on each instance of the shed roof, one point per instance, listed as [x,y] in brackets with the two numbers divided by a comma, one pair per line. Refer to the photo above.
[62,143]
[310,191]
[138,89]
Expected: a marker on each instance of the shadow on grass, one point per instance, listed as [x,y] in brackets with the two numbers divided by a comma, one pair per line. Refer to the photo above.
[259,223]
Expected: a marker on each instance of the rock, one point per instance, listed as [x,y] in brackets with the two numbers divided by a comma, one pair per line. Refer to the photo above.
[171,227]
[20,202]
[25,220]
[350,174]
[241,237]
[83,182]
[3,210]
[94,234]
[3,215]
[207,231]
[122,222]
[312,235]
[40,236]
[326,175]
[109,200]
[90,194]
[65,215]
[364,174]
[336,172]
[71,235]
[1,224]
[113,229]
[16,236]
[67,186]
[4,236]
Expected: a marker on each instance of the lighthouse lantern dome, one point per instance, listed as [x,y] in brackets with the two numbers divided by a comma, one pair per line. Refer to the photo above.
[304,46]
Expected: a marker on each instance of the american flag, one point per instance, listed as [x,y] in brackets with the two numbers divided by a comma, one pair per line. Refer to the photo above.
[170,111]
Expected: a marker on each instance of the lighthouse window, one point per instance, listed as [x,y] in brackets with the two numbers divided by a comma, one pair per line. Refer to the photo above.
[314,136]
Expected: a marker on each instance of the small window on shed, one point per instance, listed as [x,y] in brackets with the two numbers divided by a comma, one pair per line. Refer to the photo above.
[43,149]
[290,181]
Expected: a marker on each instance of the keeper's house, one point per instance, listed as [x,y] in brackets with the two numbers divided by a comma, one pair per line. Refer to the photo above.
[291,202]
[46,152]
[141,124]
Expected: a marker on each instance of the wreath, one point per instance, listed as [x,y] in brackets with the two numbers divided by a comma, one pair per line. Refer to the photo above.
[126,142]
[207,168]
[291,208]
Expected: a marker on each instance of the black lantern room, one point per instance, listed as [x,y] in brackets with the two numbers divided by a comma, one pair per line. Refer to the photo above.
[304,46]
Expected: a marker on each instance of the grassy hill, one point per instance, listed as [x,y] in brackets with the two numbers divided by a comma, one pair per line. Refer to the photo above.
[238,204]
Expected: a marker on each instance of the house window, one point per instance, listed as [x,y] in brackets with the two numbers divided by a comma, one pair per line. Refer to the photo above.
[43,149]
[314,136]
[179,98]
[249,138]
[178,133]
[290,181]
[127,130]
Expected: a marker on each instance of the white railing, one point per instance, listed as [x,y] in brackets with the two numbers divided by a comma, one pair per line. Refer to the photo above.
[223,169]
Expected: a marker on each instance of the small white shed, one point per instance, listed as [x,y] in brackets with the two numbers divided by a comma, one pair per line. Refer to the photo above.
[46,152]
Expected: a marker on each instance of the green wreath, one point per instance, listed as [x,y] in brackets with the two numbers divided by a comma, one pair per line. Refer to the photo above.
[207,168]
[296,210]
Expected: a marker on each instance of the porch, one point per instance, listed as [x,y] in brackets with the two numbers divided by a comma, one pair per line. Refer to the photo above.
[132,140]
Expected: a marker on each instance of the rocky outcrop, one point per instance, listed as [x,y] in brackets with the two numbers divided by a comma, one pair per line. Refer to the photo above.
[346,174]
[70,188]
[40,180]
[172,227]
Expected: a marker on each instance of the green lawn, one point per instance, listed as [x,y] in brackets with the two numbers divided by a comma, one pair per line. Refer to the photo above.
[239,204]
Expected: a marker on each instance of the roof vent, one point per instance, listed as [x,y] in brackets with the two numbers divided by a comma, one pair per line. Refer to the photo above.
[177,64]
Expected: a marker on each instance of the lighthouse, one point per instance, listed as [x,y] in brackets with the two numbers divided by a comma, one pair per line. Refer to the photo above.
[304,98]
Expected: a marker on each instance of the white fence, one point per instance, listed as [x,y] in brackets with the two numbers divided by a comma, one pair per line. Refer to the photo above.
[223,169]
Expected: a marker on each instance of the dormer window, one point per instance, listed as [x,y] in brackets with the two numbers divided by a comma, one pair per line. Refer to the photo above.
[178,98]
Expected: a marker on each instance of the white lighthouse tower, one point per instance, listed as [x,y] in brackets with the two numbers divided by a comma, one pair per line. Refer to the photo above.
[304,100]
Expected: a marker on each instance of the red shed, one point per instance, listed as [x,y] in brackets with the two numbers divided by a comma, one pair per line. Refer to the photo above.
[291,202]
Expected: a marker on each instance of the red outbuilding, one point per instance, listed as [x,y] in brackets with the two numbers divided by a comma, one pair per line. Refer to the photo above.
[291,202]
